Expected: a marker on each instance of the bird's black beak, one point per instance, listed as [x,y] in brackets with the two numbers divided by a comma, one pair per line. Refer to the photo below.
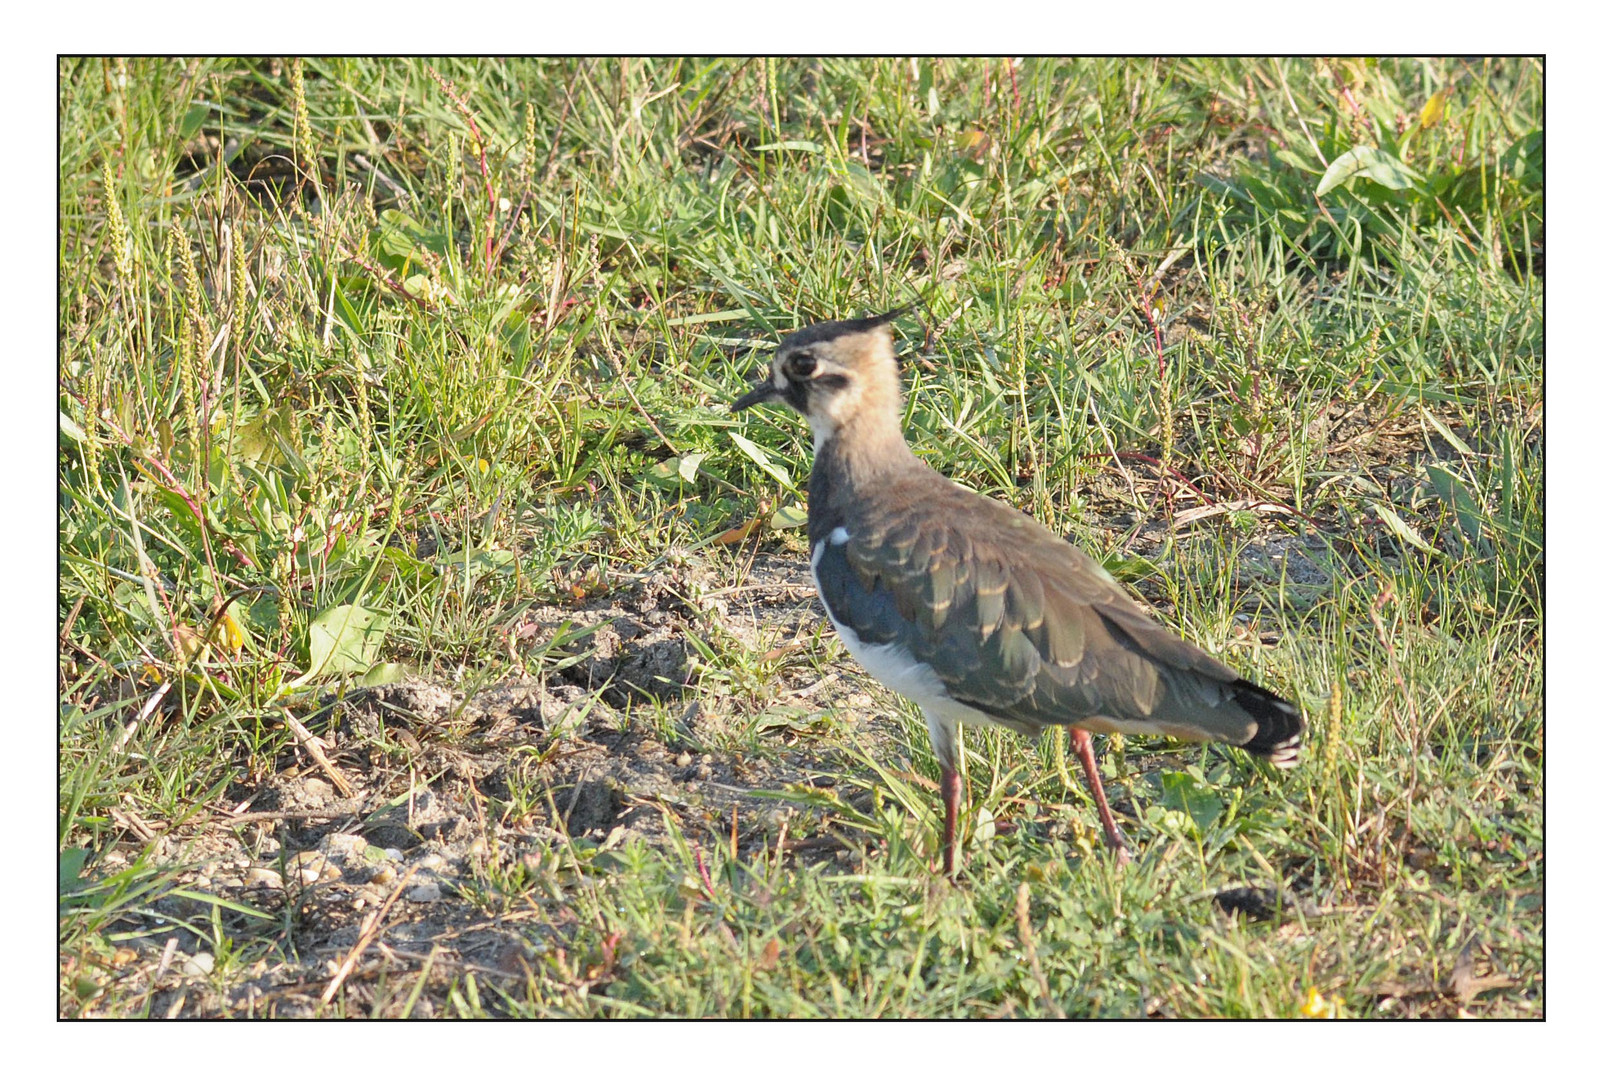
[764,390]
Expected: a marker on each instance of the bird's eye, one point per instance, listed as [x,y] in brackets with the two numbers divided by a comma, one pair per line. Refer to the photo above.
[801,365]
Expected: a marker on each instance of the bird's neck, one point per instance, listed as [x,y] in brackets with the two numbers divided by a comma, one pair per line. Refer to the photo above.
[855,463]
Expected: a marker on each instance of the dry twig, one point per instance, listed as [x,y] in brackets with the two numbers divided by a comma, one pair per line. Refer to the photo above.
[368,930]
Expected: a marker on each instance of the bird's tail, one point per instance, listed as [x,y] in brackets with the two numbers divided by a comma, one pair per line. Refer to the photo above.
[1278,724]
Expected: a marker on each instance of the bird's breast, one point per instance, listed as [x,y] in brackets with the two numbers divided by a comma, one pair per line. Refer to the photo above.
[890,663]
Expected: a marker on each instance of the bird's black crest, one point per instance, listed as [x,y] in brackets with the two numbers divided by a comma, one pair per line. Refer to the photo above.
[831,331]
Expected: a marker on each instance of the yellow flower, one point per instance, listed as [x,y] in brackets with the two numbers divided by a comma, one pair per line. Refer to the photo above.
[1317,1007]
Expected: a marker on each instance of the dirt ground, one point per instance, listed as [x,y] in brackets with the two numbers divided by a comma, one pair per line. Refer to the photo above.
[426,790]
[390,848]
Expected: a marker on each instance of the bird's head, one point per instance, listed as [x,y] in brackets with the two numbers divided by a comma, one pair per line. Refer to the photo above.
[833,372]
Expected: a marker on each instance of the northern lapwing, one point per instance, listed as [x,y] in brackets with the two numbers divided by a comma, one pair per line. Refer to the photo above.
[972,609]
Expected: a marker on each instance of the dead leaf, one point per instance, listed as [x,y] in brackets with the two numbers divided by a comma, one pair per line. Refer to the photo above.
[740,533]
[1465,984]
[189,643]
[783,650]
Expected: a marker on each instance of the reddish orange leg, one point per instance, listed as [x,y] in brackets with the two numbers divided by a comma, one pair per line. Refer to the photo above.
[950,786]
[1080,744]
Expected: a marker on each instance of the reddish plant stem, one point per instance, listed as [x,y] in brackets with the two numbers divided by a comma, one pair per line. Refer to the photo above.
[483,165]
[510,225]
[387,279]
[703,871]
[1153,321]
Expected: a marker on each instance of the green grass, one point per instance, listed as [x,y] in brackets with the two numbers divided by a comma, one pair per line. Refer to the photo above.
[352,375]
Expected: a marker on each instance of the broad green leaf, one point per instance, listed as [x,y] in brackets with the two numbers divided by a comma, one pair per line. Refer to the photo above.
[1443,429]
[863,182]
[346,313]
[69,428]
[1290,157]
[790,517]
[1174,821]
[382,674]
[1523,160]
[267,439]
[184,516]
[400,234]
[69,865]
[757,455]
[195,117]
[345,639]
[1128,567]
[1453,491]
[664,472]
[1197,799]
[1376,165]
[409,566]
[1402,529]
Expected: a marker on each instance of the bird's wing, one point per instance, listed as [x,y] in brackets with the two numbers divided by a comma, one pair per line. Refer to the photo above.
[1022,625]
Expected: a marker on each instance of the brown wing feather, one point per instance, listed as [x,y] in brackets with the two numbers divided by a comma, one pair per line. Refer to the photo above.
[1029,629]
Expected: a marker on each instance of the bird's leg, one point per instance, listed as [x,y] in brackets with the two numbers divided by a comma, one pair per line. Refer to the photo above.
[942,735]
[950,786]
[1080,743]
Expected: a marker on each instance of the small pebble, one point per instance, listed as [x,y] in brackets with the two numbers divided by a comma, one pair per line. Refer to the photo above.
[312,866]
[262,877]
[425,893]
[315,788]
[342,844]
[201,964]
[384,876]
[683,759]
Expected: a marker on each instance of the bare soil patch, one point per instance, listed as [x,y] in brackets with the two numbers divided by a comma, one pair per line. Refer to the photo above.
[434,798]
